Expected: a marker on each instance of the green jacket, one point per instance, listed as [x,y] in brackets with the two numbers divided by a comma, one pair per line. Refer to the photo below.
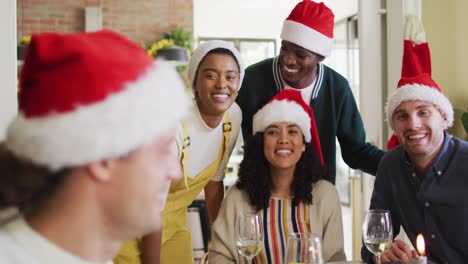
[335,111]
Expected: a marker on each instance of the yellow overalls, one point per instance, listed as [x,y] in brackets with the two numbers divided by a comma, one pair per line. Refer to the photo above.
[129,253]
[176,244]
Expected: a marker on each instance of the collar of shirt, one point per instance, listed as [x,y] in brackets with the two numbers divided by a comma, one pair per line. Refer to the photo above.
[306,92]
[41,248]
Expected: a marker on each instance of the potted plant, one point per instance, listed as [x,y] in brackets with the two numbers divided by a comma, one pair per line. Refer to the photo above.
[464,119]
[21,48]
[175,46]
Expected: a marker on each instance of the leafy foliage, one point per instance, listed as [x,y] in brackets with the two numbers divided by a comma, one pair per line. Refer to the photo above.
[464,120]
[180,37]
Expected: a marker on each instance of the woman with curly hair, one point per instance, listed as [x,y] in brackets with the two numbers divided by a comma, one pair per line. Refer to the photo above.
[282,177]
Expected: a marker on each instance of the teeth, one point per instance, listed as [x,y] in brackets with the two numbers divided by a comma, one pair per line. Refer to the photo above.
[417,136]
[290,70]
[222,96]
[283,151]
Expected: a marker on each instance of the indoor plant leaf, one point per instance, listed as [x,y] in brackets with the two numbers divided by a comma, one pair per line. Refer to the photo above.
[464,120]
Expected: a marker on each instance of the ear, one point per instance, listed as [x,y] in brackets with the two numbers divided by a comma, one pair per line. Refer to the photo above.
[304,147]
[101,170]
[445,123]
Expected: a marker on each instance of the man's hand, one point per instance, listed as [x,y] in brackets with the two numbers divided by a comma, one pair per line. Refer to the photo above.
[398,251]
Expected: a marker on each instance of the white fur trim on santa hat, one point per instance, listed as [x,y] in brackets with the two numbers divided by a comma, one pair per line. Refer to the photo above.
[282,111]
[306,37]
[200,52]
[122,122]
[417,92]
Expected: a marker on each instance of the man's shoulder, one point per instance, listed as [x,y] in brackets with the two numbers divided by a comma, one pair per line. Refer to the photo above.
[336,82]
[462,145]
[391,158]
[10,251]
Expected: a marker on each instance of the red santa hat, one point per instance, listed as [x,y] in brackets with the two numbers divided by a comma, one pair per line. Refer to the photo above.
[419,88]
[89,96]
[310,25]
[416,82]
[200,52]
[288,106]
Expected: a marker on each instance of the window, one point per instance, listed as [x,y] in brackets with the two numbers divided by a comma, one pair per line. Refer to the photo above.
[251,50]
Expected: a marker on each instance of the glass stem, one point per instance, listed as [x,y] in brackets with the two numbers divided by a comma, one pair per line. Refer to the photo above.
[249,261]
[377,257]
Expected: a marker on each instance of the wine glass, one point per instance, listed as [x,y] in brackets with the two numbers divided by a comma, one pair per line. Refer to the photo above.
[250,235]
[304,248]
[377,232]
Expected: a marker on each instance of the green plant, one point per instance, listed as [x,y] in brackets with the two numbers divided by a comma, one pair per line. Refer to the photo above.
[180,37]
[25,40]
[153,49]
[464,119]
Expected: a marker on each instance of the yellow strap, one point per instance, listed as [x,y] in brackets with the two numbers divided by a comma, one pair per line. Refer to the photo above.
[227,127]
[183,159]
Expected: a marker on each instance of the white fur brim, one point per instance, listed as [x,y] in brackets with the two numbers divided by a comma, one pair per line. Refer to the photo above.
[122,122]
[417,92]
[201,51]
[282,111]
[306,37]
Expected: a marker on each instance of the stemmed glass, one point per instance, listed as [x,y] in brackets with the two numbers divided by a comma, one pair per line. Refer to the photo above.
[377,232]
[304,248]
[250,235]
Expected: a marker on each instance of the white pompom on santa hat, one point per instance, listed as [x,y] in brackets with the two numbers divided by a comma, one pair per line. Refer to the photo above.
[90,96]
[310,25]
[419,88]
[288,106]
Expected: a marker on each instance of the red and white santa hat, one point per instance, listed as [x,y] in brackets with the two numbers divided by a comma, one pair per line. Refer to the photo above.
[419,88]
[416,83]
[89,96]
[200,52]
[310,25]
[288,106]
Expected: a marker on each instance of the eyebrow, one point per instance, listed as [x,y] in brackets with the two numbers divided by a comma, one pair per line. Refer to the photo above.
[214,70]
[419,107]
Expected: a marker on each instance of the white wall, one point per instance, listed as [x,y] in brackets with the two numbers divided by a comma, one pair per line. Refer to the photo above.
[8,104]
[242,18]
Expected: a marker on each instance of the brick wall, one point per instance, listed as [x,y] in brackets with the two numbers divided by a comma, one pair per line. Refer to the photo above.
[140,20]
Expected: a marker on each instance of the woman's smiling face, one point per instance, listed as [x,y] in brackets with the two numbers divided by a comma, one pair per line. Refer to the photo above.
[283,145]
[216,83]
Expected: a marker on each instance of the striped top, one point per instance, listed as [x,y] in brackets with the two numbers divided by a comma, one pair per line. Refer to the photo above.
[280,219]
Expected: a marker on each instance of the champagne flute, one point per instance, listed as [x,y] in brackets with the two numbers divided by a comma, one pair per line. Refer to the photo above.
[377,232]
[304,248]
[250,235]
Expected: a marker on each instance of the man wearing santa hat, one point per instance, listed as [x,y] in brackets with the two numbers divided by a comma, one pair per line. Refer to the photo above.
[422,182]
[87,159]
[307,38]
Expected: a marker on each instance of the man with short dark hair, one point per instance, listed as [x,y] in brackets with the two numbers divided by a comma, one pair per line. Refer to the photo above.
[423,181]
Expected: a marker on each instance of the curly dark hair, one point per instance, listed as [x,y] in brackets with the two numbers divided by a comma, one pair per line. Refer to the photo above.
[26,185]
[255,178]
